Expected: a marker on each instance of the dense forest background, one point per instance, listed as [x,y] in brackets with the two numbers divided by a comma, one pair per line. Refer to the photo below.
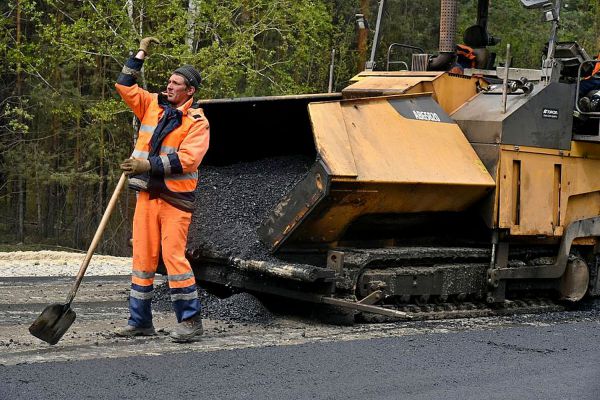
[63,129]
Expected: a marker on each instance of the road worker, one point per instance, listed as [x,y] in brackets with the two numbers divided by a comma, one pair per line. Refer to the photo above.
[473,53]
[465,58]
[173,139]
[589,90]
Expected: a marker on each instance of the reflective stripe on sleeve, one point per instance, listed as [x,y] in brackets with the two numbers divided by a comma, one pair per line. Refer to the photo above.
[130,71]
[147,128]
[166,164]
[140,154]
[168,149]
[137,183]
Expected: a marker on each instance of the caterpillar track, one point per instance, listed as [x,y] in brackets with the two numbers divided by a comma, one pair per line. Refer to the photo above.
[439,311]
[375,285]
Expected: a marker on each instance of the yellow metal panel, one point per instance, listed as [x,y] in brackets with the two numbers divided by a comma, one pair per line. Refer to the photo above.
[350,202]
[390,148]
[331,138]
[555,188]
[526,193]
[366,74]
[582,206]
[386,85]
[584,175]
[585,150]
[409,157]
[495,206]
[453,91]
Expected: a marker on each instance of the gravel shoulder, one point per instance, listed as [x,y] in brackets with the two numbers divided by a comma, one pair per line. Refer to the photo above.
[59,263]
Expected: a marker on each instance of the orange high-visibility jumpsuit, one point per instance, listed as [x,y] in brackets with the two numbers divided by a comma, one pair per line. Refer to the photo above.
[174,141]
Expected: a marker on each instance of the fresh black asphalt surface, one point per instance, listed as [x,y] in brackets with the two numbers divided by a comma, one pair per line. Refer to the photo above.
[554,361]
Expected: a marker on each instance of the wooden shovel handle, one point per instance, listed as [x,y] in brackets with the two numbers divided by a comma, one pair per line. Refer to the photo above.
[109,209]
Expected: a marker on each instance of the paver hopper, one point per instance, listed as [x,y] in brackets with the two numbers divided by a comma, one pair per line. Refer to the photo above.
[383,156]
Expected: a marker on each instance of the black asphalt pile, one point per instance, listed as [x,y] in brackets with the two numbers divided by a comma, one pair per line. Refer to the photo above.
[241,307]
[161,301]
[233,200]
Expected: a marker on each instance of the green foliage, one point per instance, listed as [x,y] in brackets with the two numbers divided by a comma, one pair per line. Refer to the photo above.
[17,118]
[246,48]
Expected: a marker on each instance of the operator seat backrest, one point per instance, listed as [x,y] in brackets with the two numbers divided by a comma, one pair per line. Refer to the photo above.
[482,57]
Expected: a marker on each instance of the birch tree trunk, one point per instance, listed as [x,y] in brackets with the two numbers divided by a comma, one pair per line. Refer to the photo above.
[138,30]
[141,33]
[21,178]
[192,16]
[129,5]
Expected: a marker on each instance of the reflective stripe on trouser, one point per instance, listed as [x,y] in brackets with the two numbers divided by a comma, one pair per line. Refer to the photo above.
[158,225]
[140,300]
[185,302]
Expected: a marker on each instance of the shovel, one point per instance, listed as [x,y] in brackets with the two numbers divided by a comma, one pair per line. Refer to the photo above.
[56,319]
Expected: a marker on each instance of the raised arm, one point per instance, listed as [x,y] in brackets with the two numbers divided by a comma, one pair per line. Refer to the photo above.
[134,96]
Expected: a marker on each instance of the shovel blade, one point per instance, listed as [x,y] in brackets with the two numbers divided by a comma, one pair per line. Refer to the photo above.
[52,323]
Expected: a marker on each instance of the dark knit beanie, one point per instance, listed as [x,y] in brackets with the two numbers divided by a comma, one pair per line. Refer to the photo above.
[191,74]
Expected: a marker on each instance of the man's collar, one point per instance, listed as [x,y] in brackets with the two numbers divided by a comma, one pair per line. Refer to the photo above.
[184,107]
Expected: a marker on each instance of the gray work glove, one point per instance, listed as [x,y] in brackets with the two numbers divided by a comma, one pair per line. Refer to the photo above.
[134,166]
[146,42]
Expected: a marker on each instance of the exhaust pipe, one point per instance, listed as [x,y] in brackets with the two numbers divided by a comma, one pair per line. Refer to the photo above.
[447,46]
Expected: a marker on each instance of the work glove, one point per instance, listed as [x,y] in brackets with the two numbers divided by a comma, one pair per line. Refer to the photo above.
[146,42]
[134,166]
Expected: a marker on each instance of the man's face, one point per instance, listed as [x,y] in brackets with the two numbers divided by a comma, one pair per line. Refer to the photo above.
[177,93]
